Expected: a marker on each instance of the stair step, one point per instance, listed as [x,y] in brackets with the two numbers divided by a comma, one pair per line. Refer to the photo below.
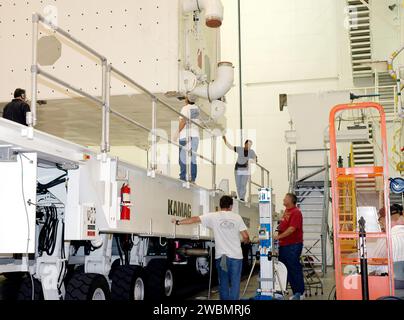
[357,20]
[362,147]
[362,158]
[310,197]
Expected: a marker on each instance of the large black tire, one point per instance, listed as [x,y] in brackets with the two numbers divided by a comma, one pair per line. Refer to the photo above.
[14,276]
[10,286]
[87,286]
[128,283]
[114,266]
[158,287]
[25,292]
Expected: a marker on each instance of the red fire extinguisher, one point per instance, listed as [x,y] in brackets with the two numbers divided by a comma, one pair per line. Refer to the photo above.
[125,202]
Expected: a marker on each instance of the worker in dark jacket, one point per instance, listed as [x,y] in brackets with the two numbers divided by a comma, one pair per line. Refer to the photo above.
[17,109]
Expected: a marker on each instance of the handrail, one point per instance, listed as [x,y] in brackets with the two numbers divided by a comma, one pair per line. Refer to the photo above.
[324,224]
[265,180]
[154,97]
[134,122]
[40,18]
[104,102]
[68,86]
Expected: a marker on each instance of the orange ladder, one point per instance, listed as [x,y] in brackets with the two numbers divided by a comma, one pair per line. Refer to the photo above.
[348,286]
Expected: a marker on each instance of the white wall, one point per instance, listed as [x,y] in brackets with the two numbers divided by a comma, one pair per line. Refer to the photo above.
[385,29]
[288,47]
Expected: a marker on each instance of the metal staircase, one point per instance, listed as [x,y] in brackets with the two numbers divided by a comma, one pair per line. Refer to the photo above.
[312,191]
[386,88]
[362,155]
[360,38]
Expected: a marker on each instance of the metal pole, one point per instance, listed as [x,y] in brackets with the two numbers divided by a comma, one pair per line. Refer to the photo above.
[154,138]
[249,188]
[262,178]
[34,69]
[240,70]
[69,37]
[214,162]
[104,107]
[69,86]
[107,107]
[188,151]
[363,259]
[268,178]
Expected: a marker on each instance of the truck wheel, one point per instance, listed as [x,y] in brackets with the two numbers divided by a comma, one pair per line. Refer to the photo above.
[128,283]
[160,279]
[87,286]
[114,266]
[14,276]
[26,292]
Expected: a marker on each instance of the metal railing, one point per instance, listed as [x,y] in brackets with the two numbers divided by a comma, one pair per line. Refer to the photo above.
[264,181]
[292,168]
[373,94]
[326,208]
[107,71]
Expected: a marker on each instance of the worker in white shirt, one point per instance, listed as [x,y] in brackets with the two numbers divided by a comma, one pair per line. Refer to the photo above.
[190,111]
[397,242]
[227,227]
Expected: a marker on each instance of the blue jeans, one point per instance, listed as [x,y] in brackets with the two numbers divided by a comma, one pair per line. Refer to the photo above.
[183,158]
[242,177]
[290,256]
[229,282]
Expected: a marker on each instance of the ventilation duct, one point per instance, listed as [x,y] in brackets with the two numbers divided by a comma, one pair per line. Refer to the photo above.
[220,86]
[213,10]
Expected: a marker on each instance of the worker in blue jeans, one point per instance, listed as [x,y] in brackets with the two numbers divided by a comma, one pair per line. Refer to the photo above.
[185,128]
[290,237]
[227,227]
[183,158]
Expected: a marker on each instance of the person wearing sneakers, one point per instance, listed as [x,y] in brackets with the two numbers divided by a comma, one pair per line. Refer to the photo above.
[290,237]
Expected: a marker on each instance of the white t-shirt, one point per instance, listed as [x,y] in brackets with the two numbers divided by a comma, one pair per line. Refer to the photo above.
[226,227]
[191,111]
[380,248]
[397,241]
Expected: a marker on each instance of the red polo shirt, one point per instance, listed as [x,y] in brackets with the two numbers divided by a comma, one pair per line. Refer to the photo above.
[292,218]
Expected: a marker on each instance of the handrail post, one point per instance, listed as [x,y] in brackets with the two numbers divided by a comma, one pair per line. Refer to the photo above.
[153,164]
[262,178]
[188,153]
[34,70]
[268,178]
[249,188]
[213,143]
[106,93]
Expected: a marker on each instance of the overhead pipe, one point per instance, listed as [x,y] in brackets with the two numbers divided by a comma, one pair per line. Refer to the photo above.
[220,86]
[213,10]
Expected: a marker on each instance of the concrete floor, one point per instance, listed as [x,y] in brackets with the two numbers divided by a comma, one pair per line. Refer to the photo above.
[327,280]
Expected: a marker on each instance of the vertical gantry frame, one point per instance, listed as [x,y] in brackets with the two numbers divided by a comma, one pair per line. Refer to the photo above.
[348,286]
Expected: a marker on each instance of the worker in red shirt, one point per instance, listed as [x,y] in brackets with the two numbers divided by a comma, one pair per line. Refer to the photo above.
[290,237]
